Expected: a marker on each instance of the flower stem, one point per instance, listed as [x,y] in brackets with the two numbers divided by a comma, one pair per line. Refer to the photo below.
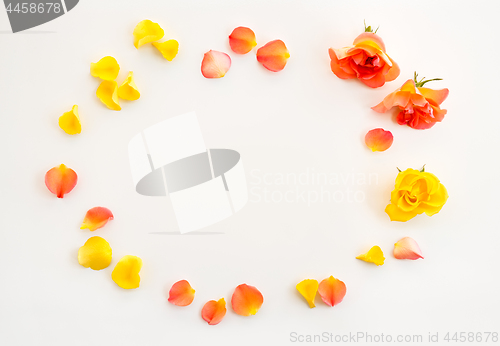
[421,83]
[369,28]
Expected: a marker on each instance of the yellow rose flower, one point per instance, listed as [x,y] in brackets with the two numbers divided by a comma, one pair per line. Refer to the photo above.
[416,192]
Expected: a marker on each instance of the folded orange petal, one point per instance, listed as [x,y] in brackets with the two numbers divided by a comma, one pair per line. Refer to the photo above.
[246,300]
[70,122]
[370,38]
[96,218]
[242,40]
[147,31]
[128,90]
[107,68]
[273,55]
[214,311]
[60,180]
[435,97]
[215,64]
[181,293]
[332,291]
[374,255]
[95,254]
[107,92]
[168,49]
[407,248]
[126,272]
[308,289]
[378,139]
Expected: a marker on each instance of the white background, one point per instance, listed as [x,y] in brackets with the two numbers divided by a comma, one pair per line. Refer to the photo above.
[301,118]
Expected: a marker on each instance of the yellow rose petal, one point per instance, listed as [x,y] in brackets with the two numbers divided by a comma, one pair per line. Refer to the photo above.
[308,289]
[128,90]
[95,254]
[70,122]
[107,92]
[145,32]
[374,255]
[126,272]
[107,68]
[168,48]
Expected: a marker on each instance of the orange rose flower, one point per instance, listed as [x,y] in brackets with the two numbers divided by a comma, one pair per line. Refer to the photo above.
[418,106]
[365,60]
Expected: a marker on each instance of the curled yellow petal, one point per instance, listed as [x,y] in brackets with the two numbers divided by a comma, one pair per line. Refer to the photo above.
[168,49]
[107,68]
[107,92]
[147,31]
[374,255]
[95,254]
[70,121]
[126,272]
[308,289]
[128,90]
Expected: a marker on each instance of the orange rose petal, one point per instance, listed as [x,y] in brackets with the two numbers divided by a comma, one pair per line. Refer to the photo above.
[107,92]
[335,67]
[96,218]
[246,300]
[60,180]
[181,293]
[273,55]
[435,97]
[407,248]
[393,72]
[370,38]
[332,291]
[378,139]
[242,40]
[214,311]
[215,64]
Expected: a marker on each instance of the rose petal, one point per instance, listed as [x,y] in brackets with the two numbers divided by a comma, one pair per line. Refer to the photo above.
[308,289]
[393,72]
[107,92]
[181,293]
[407,248]
[214,311]
[215,64]
[168,49]
[107,68]
[336,68]
[70,121]
[242,40]
[273,55]
[332,291]
[246,300]
[379,139]
[435,97]
[95,254]
[126,272]
[147,31]
[374,255]
[128,90]
[60,180]
[370,38]
[96,218]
